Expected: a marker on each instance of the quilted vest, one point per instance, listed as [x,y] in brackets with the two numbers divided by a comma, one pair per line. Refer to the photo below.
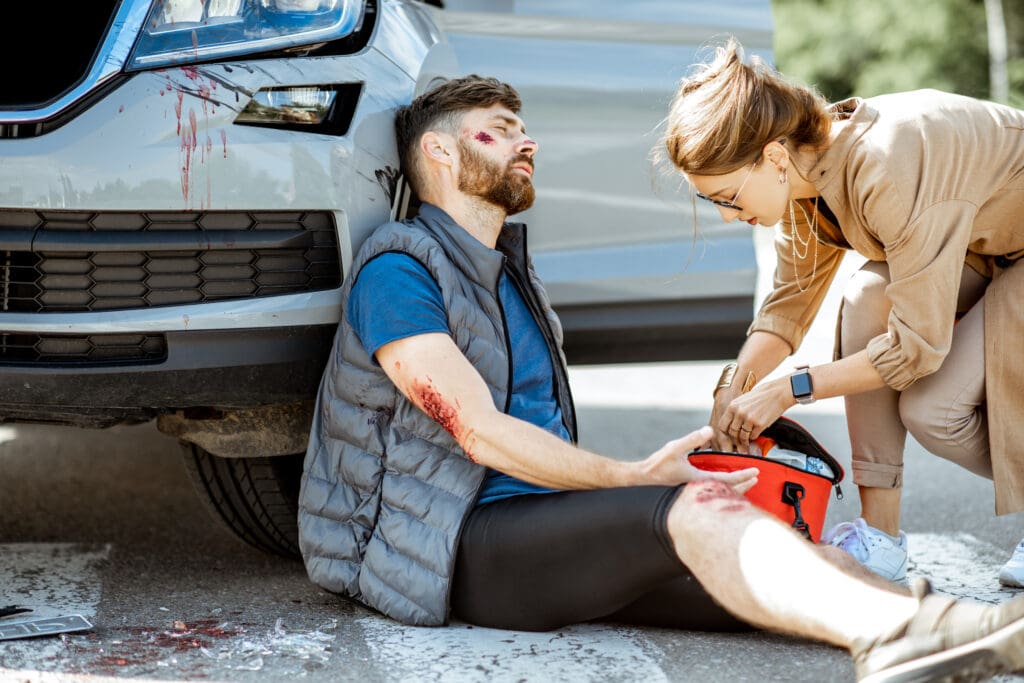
[385,489]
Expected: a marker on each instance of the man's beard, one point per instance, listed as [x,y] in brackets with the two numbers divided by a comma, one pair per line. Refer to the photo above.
[503,187]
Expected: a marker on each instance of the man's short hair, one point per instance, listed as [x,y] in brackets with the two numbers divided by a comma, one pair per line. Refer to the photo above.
[440,109]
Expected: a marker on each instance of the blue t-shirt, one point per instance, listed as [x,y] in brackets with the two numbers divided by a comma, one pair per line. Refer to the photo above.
[395,297]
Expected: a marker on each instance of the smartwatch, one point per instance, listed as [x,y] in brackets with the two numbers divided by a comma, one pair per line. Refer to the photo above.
[800,382]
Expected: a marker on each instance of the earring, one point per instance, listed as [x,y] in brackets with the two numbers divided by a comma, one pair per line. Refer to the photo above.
[783,177]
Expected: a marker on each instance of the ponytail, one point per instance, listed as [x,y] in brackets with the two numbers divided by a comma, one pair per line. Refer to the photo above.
[724,114]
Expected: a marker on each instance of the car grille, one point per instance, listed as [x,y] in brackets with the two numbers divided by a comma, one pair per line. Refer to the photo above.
[54,261]
[76,349]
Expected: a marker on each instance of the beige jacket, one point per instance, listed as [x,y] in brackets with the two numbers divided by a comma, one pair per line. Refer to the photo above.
[924,181]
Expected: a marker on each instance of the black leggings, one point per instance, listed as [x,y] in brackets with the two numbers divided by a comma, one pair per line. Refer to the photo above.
[540,562]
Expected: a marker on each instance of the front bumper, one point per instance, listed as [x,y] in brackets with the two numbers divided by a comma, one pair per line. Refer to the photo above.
[203,369]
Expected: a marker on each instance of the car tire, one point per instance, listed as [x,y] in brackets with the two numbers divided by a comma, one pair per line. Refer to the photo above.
[256,499]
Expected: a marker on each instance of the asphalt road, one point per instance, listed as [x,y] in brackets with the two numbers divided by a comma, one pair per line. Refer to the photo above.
[106,524]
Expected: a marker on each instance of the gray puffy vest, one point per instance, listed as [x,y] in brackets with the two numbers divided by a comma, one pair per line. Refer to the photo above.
[385,489]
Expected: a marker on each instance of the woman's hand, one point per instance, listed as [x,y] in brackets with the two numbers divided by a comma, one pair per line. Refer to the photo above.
[670,466]
[760,355]
[749,414]
[720,440]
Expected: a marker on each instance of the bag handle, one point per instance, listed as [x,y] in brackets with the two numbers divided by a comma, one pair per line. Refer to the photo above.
[792,494]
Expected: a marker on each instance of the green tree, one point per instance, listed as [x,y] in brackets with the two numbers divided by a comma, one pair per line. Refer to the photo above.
[871,47]
[1013,12]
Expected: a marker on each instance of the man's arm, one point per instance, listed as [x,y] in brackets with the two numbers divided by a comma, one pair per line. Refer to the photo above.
[434,374]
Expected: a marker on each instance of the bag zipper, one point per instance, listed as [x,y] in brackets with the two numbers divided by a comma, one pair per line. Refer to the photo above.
[758,458]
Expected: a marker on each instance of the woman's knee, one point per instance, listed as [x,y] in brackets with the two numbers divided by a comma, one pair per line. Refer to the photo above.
[864,296]
[952,432]
[924,418]
[865,308]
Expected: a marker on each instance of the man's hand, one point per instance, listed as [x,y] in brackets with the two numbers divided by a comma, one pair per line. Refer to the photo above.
[670,466]
[749,414]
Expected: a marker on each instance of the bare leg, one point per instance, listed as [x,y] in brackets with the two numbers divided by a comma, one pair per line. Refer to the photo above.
[763,572]
[880,508]
[851,566]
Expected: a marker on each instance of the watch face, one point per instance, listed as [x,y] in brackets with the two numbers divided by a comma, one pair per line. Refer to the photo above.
[801,383]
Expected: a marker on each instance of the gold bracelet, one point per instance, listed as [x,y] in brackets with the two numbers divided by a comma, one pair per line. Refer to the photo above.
[725,379]
[748,383]
[727,376]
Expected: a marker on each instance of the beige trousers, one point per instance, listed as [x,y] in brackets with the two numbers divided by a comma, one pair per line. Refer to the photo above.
[944,412]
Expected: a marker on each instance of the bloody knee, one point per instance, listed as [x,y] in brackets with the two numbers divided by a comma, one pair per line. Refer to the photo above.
[715,495]
[698,514]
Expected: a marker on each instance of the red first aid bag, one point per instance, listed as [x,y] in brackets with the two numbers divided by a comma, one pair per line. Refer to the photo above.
[799,496]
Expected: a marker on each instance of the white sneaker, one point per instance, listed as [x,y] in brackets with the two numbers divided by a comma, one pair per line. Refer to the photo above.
[875,549]
[1012,573]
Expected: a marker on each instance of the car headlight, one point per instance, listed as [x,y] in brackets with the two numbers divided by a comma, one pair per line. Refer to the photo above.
[188,31]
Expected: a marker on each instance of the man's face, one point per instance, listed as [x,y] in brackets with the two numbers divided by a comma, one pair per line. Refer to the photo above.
[496,158]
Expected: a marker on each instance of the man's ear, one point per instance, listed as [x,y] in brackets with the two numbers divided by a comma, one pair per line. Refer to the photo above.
[434,147]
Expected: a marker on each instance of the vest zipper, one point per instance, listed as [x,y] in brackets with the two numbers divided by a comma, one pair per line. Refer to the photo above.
[508,339]
[530,297]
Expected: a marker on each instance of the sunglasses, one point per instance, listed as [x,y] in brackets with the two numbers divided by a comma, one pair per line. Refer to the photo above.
[730,204]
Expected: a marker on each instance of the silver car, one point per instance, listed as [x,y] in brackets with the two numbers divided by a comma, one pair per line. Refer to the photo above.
[183,188]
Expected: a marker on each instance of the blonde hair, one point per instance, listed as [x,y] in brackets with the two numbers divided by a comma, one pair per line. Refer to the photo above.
[726,111]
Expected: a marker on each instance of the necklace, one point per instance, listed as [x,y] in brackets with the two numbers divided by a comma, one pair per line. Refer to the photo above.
[805,244]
